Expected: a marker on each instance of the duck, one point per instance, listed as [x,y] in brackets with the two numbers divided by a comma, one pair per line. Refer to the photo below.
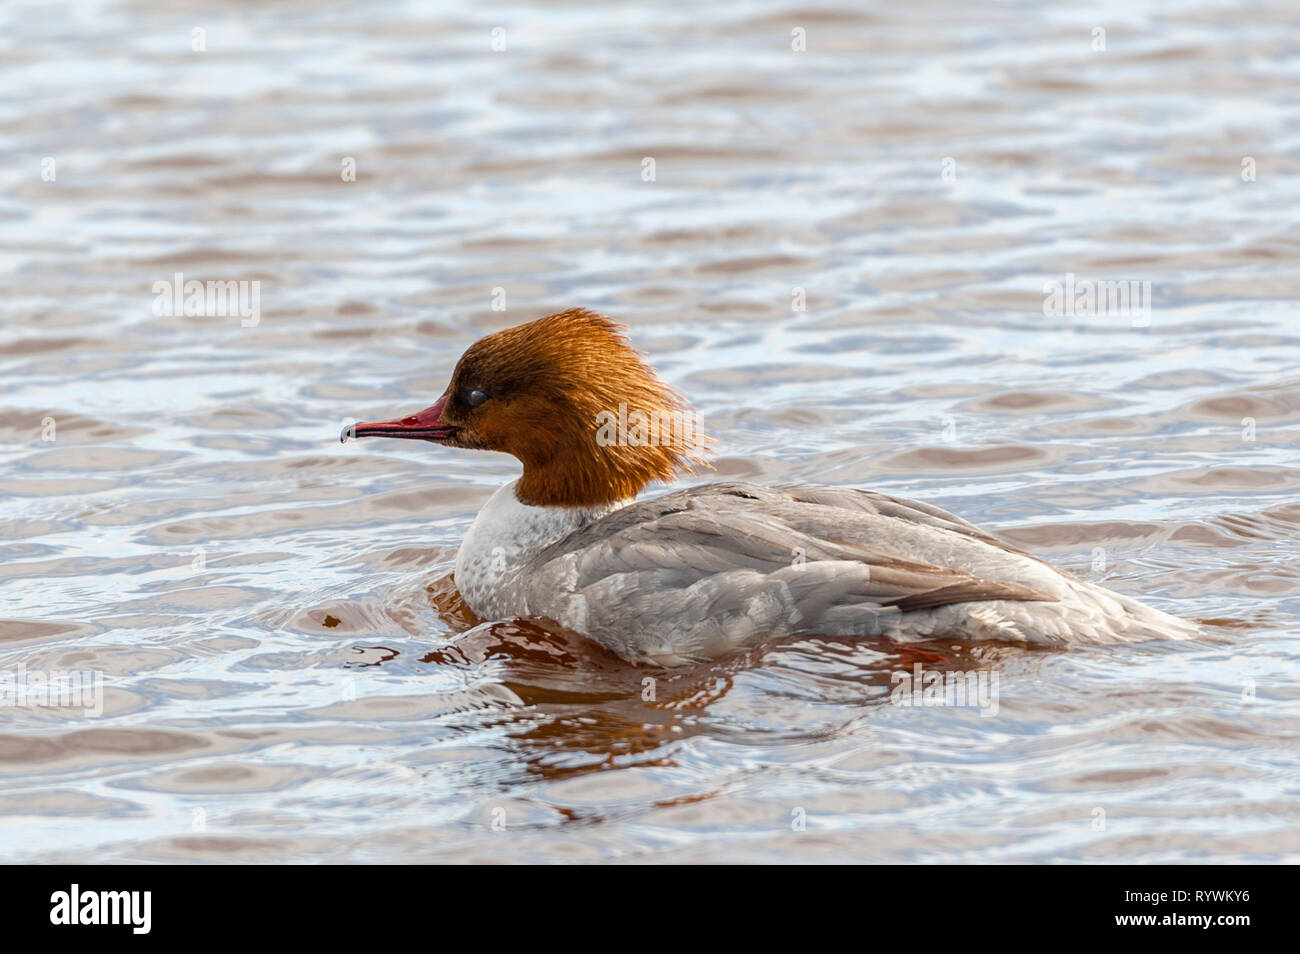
[701,572]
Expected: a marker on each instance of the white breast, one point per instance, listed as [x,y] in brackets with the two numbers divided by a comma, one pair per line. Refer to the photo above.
[504,536]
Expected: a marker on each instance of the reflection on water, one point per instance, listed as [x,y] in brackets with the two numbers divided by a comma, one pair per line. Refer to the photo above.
[589,711]
[839,254]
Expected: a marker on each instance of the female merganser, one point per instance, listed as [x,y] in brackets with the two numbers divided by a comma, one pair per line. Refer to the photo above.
[704,571]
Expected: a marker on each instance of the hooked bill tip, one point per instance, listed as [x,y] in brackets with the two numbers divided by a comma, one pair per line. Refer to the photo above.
[349,430]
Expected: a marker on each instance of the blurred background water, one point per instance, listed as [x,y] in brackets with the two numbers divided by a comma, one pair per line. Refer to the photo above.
[831,226]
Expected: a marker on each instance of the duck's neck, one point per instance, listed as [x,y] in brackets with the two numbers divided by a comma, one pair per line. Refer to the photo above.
[507,532]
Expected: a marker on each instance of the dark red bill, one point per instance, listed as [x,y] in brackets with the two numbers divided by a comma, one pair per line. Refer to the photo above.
[424,426]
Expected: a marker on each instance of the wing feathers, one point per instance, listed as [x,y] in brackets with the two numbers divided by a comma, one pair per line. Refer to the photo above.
[716,555]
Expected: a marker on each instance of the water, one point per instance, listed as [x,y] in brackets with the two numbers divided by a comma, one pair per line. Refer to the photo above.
[287,674]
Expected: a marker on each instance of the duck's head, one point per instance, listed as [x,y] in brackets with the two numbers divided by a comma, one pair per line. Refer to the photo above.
[571,399]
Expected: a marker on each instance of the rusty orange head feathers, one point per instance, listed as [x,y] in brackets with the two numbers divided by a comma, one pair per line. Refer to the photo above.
[571,399]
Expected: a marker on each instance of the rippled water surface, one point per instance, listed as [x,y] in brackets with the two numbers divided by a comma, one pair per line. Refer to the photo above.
[288,674]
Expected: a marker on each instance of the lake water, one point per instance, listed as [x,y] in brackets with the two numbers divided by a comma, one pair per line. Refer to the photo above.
[840,253]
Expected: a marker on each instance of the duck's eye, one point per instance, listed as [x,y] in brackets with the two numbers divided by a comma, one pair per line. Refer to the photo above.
[475,397]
